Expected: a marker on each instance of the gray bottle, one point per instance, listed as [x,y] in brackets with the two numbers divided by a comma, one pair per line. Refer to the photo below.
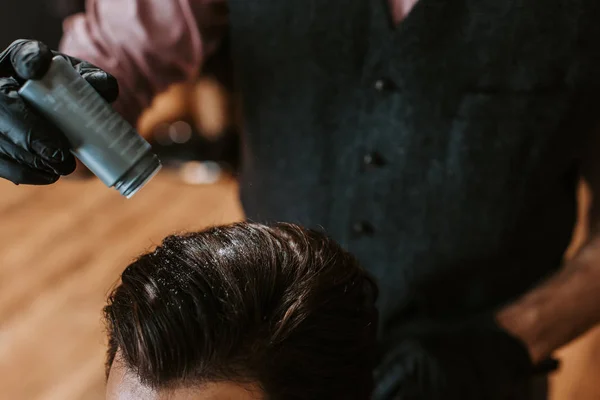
[103,141]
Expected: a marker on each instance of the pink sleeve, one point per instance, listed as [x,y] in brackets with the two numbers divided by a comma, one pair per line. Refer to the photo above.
[146,44]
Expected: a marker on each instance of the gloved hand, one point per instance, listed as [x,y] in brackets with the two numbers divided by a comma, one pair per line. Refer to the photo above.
[469,360]
[32,150]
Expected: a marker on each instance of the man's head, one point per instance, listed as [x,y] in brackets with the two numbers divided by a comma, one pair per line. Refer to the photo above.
[243,311]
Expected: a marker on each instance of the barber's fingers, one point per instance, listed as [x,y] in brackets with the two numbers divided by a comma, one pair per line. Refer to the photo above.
[25,59]
[104,83]
[55,162]
[24,175]
[23,130]
[30,59]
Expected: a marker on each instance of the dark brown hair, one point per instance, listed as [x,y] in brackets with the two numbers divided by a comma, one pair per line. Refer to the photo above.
[280,305]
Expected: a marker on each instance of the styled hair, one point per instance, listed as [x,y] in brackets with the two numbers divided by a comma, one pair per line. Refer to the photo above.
[280,306]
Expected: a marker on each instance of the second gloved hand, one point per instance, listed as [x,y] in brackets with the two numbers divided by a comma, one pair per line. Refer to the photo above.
[464,360]
[32,150]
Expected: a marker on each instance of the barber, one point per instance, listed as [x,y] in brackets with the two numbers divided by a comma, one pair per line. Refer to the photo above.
[441,143]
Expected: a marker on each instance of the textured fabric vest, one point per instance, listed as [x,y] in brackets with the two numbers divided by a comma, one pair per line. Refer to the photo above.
[444,152]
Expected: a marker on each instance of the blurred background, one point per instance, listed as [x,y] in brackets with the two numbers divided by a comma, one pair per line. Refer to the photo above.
[43,20]
[62,250]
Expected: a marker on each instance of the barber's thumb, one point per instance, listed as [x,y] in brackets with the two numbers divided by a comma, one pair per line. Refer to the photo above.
[30,59]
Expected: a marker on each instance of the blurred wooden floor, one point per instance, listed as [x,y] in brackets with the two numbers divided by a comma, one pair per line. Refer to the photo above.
[61,250]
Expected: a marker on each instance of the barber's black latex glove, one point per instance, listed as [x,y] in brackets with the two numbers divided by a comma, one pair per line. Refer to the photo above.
[470,360]
[32,150]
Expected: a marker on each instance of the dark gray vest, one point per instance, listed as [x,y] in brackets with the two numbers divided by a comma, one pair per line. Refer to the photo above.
[444,153]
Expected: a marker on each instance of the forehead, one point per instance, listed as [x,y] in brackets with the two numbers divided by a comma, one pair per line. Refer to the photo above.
[123,384]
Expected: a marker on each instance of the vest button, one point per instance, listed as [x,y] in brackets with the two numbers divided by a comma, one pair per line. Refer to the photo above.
[374,159]
[363,228]
[384,84]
